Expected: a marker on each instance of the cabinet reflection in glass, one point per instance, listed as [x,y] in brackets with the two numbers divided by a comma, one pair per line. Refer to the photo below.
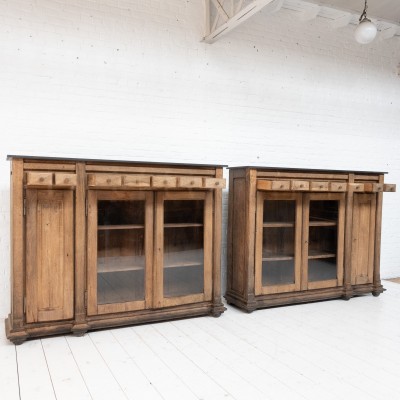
[183,247]
[120,251]
[278,242]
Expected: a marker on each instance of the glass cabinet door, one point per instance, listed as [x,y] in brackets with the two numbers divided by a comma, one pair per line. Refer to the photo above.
[278,243]
[120,247]
[183,248]
[323,234]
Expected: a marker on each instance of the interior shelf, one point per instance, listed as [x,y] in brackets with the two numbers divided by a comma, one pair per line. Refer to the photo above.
[314,254]
[278,224]
[182,225]
[277,257]
[114,227]
[322,222]
[187,258]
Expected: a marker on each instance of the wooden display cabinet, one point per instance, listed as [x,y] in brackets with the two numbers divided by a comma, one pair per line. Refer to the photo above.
[302,235]
[108,243]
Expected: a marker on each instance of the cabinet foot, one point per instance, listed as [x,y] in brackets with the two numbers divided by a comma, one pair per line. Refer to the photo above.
[377,290]
[80,330]
[217,310]
[17,337]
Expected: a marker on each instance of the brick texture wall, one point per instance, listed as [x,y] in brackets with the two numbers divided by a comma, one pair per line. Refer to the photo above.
[131,79]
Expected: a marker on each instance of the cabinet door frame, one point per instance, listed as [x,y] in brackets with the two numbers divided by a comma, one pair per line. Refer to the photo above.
[340,197]
[158,280]
[34,275]
[276,196]
[93,197]
[360,199]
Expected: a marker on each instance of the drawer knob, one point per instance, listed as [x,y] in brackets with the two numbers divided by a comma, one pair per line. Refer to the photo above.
[339,187]
[321,186]
[66,180]
[137,181]
[165,182]
[281,187]
[216,183]
[108,180]
[41,179]
[192,182]
[301,186]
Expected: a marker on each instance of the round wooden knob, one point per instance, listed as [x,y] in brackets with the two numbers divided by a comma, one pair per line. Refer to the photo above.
[281,187]
[66,180]
[321,186]
[216,183]
[41,179]
[108,180]
[192,182]
[339,187]
[165,182]
[301,186]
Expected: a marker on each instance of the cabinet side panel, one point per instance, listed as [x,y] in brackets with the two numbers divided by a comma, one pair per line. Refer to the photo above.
[50,256]
[363,234]
[239,236]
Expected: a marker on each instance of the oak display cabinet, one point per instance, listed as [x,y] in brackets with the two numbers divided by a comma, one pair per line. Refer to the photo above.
[302,235]
[100,243]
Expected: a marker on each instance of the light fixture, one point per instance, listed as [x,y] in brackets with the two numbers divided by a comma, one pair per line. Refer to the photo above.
[366,30]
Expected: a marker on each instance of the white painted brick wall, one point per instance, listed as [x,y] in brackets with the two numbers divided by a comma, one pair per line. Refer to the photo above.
[130,79]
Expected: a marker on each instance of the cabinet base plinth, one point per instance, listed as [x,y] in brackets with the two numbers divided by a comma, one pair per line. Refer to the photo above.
[280,299]
[103,321]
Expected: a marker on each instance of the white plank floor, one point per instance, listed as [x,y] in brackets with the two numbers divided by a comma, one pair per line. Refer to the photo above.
[327,350]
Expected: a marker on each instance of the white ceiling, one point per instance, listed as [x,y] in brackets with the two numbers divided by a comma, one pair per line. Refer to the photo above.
[388,10]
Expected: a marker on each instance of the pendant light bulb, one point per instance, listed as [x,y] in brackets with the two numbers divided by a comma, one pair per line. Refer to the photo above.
[366,30]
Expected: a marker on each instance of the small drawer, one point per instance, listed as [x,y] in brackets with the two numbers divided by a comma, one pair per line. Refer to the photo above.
[264,185]
[136,181]
[337,186]
[163,181]
[190,182]
[214,183]
[39,178]
[356,187]
[300,185]
[104,180]
[320,186]
[373,187]
[280,185]
[389,187]
[65,180]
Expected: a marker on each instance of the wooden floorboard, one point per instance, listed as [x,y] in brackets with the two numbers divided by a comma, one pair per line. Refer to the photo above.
[328,350]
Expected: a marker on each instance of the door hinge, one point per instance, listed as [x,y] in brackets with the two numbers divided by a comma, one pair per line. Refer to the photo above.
[24,305]
[86,206]
[85,301]
[24,206]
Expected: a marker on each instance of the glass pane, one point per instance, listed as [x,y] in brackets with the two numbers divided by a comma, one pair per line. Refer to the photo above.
[183,211]
[279,210]
[278,272]
[278,258]
[120,252]
[183,247]
[120,212]
[322,243]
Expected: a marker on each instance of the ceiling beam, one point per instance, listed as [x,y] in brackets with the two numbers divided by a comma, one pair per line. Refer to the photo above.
[242,14]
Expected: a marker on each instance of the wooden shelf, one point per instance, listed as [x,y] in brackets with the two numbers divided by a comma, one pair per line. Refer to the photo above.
[322,222]
[182,225]
[315,254]
[116,227]
[277,257]
[278,225]
[187,258]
